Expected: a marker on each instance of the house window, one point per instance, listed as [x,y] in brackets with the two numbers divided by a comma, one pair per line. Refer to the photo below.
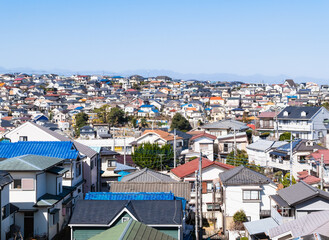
[251,195]
[17,184]
[225,147]
[111,163]
[23,138]
[209,186]
[213,207]
[78,168]
[59,187]
[55,217]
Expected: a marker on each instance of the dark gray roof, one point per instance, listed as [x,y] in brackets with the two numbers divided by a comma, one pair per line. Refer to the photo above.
[242,175]
[179,189]
[83,149]
[147,175]
[182,134]
[300,192]
[295,112]
[5,178]
[160,212]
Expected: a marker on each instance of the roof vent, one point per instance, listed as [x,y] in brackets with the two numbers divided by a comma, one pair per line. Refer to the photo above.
[303,114]
[285,113]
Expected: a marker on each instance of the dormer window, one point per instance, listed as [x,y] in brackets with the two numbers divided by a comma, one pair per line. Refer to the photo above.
[303,114]
[285,113]
[309,143]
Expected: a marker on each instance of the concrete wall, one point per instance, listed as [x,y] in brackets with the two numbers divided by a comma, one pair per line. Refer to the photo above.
[26,196]
[41,184]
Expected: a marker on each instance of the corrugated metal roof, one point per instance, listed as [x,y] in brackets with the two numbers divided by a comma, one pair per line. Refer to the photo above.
[260,226]
[29,163]
[130,196]
[64,150]
[304,225]
[179,189]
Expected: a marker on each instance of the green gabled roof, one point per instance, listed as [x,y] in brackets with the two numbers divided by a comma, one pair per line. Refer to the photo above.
[29,163]
[131,230]
[48,200]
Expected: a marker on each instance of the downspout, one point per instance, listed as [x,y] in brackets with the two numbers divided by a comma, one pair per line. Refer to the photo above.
[1,208]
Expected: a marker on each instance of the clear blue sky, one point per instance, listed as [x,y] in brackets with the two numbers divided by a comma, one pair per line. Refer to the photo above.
[245,37]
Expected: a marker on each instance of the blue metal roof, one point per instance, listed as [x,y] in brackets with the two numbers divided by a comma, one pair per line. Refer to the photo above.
[130,196]
[286,147]
[65,149]
[146,106]
[79,108]
[122,174]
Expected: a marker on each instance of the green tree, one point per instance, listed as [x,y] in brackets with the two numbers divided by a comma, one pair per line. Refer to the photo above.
[180,123]
[241,158]
[325,105]
[143,123]
[116,116]
[285,136]
[103,113]
[150,156]
[239,218]
[133,122]
[286,180]
[81,120]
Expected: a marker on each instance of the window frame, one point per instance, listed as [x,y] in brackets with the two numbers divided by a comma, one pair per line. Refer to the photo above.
[251,198]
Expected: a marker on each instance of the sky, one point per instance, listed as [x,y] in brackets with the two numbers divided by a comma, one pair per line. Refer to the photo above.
[271,37]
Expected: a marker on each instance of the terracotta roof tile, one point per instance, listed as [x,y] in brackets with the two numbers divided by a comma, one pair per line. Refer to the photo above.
[190,167]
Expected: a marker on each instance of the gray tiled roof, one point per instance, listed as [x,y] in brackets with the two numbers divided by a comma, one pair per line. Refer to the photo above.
[242,175]
[314,222]
[147,175]
[179,189]
[295,112]
[83,149]
[162,212]
[299,192]
[226,124]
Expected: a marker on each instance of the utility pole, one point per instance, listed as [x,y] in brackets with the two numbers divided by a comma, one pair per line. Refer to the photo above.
[276,123]
[175,148]
[321,171]
[290,175]
[234,146]
[161,155]
[124,146]
[113,139]
[196,188]
[200,193]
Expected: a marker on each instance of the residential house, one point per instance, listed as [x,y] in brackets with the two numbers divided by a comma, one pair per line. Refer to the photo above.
[37,190]
[8,209]
[301,148]
[202,143]
[160,137]
[246,189]
[227,143]
[224,127]
[259,151]
[304,122]
[34,132]
[210,190]
[297,201]
[163,215]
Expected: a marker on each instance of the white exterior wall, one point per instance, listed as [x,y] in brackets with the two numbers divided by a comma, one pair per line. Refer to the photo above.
[26,197]
[258,157]
[5,223]
[41,184]
[51,184]
[234,200]
[40,221]
[209,152]
[33,134]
